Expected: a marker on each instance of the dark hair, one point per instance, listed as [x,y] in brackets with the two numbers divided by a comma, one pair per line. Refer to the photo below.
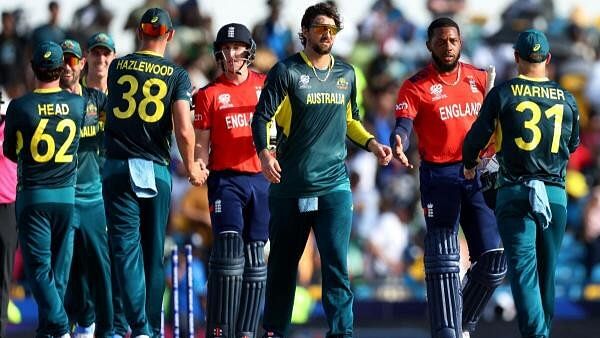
[52,5]
[439,23]
[322,8]
[47,75]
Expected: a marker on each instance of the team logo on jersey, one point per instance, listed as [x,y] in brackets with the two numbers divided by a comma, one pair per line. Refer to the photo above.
[304,80]
[91,112]
[402,106]
[341,84]
[473,85]
[225,101]
[436,91]
[429,210]
[258,91]
[217,207]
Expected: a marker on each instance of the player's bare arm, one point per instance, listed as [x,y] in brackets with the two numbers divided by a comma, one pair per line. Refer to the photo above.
[270,166]
[399,153]
[184,134]
[382,152]
[202,147]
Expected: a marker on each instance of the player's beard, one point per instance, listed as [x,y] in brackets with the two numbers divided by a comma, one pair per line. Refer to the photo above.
[64,83]
[443,66]
[315,46]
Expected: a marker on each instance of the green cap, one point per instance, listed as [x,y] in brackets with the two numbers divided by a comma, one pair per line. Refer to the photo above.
[156,17]
[101,40]
[47,55]
[72,47]
[532,46]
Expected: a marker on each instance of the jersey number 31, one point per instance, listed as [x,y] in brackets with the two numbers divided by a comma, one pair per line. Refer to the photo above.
[555,111]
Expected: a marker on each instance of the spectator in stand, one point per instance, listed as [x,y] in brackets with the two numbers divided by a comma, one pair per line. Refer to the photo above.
[50,31]
[273,33]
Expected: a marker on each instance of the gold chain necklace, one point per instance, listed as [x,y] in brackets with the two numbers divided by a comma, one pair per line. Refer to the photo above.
[455,81]
[328,70]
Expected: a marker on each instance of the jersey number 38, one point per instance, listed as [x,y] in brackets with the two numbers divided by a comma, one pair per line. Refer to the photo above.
[149,99]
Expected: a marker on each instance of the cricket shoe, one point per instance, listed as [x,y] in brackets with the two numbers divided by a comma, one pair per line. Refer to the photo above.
[85,331]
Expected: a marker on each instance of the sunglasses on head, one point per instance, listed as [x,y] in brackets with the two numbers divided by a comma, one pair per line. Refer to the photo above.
[150,29]
[71,60]
[322,28]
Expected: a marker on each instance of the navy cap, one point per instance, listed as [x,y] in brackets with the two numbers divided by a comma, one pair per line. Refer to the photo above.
[532,46]
[71,46]
[156,17]
[101,40]
[47,55]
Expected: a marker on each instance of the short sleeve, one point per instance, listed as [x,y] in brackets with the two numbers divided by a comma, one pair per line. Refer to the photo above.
[407,103]
[202,116]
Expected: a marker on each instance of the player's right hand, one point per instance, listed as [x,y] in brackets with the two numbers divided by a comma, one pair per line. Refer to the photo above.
[198,174]
[270,166]
[399,153]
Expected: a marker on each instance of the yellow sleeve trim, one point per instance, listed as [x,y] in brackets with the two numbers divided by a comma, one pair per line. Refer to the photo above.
[356,131]
[19,142]
[498,133]
[283,116]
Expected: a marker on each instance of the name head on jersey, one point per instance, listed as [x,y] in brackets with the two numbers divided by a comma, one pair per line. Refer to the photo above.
[71,47]
[156,22]
[47,55]
[101,40]
[532,46]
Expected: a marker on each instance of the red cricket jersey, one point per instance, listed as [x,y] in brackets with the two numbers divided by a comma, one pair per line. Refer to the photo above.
[442,109]
[226,109]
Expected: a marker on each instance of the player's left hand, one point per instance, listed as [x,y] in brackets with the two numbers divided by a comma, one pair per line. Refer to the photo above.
[469,173]
[383,152]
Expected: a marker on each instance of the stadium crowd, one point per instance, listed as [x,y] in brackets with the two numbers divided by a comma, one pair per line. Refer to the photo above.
[386,253]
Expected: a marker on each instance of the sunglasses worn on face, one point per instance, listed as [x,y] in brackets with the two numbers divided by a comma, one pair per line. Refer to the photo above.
[152,30]
[71,60]
[321,29]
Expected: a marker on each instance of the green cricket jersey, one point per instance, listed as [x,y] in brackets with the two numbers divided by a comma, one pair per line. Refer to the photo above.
[314,111]
[537,126]
[89,184]
[42,134]
[142,86]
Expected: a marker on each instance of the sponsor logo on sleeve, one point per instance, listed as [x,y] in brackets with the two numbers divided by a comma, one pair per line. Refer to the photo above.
[402,106]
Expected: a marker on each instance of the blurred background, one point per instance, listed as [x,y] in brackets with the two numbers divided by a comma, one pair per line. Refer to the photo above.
[385,40]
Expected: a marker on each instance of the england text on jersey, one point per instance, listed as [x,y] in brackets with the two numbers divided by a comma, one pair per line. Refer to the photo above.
[459,110]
